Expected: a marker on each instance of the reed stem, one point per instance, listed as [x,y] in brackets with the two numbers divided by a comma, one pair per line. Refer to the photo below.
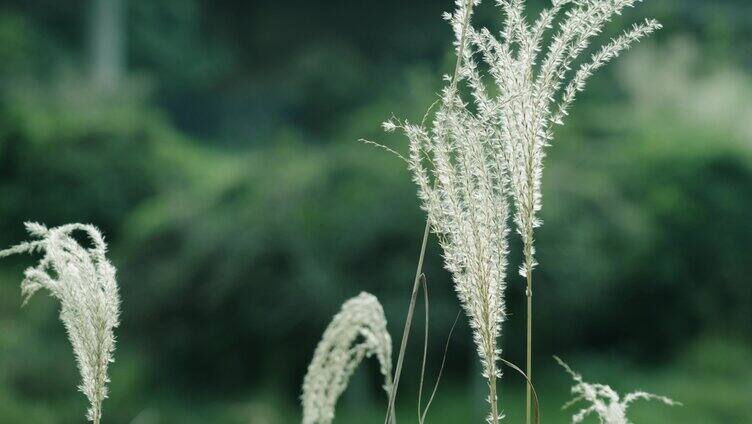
[390,413]
[493,400]
[529,359]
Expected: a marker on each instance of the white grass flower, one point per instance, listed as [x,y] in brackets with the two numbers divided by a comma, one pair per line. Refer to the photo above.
[358,331]
[389,126]
[84,282]
[529,82]
[462,184]
[603,401]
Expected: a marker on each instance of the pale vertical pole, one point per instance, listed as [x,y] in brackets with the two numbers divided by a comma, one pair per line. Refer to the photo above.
[107,42]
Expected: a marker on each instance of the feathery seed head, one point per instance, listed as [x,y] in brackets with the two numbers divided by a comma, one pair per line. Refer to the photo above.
[358,331]
[84,281]
[535,87]
[389,126]
[457,165]
[603,401]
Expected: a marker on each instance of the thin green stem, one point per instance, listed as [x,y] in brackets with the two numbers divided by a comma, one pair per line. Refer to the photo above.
[492,394]
[529,361]
[419,271]
[441,369]
[390,414]
[425,352]
[535,394]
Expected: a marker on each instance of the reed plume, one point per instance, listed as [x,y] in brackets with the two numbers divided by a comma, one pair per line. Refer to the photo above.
[358,331]
[603,401]
[84,282]
[462,186]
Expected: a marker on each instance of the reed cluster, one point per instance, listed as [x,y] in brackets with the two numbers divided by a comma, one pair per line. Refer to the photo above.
[485,146]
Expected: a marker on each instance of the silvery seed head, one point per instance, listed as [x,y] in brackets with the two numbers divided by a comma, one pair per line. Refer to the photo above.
[84,281]
[358,331]
[603,401]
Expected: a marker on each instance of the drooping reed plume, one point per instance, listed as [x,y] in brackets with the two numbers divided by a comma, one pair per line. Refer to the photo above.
[480,150]
[604,402]
[84,281]
[358,331]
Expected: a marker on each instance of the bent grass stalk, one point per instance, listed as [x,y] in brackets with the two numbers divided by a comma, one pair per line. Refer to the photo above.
[406,332]
[422,417]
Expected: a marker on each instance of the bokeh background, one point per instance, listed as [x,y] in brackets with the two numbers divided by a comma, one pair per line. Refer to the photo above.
[216,145]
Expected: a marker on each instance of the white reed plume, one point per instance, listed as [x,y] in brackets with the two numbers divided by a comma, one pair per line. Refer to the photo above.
[84,282]
[604,401]
[358,331]
[462,185]
[523,114]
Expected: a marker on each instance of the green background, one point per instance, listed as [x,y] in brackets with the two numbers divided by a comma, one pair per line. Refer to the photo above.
[220,158]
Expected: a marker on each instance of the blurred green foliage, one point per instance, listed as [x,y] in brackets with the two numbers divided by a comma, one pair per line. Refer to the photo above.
[241,210]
